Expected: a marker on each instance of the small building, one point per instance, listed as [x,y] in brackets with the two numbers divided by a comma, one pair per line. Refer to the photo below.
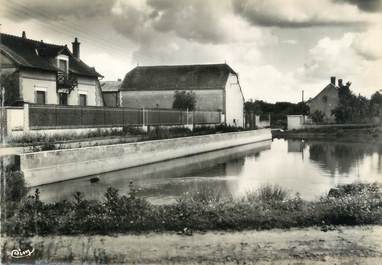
[327,100]
[297,122]
[110,93]
[48,73]
[216,88]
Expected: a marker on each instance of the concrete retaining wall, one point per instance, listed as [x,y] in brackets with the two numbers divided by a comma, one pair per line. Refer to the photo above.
[58,165]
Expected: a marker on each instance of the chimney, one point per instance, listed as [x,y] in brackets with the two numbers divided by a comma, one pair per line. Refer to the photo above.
[333,80]
[76,48]
[340,83]
[24,35]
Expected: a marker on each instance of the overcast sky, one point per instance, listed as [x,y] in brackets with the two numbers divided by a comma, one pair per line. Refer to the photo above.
[278,47]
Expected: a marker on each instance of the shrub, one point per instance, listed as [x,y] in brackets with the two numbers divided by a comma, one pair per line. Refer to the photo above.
[317,116]
[15,190]
[201,209]
[269,193]
[205,195]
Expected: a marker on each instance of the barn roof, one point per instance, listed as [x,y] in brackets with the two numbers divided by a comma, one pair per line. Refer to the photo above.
[40,55]
[177,77]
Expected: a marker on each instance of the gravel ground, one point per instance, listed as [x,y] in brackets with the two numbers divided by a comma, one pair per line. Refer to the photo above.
[343,245]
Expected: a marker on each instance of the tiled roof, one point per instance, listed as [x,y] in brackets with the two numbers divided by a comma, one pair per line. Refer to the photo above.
[111,86]
[329,86]
[40,55]
[177,77]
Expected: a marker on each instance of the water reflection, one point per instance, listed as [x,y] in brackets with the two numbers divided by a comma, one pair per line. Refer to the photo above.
[296,146]
[341,158]
[310,168]
[164,181]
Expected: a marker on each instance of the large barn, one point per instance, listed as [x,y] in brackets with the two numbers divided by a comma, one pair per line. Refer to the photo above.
[216,87]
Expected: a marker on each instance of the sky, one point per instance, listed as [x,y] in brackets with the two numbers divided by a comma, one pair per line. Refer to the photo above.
[278,47]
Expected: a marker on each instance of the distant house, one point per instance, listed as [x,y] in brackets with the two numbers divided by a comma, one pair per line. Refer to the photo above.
[49,73]
[110,92]
[327,100]
[216,87]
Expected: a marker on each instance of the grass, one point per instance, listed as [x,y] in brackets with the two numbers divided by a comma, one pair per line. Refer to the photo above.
[362,134]
[200,209]
[44,142]
[34,139]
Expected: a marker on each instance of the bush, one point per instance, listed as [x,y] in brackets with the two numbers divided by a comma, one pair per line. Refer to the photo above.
[15,190]
[201,209]
[317,116]
[133,130]
[270,193]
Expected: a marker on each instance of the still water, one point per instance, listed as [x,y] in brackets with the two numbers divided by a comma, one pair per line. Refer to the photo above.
[310,168]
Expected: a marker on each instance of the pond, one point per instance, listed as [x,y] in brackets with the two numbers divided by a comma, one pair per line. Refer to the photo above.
[309,168]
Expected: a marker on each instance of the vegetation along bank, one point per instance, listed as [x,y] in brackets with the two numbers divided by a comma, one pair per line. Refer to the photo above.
[350,134]
[199,210]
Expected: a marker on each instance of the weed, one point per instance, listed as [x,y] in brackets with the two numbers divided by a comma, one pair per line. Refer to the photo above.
[200,209]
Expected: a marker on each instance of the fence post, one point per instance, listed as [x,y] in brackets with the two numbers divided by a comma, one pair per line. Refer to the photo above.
[189,125]
[3,124]
[26,117]
[55,116]
[269,119]
[81,118]
[123,117]
[144,120]
[104,117]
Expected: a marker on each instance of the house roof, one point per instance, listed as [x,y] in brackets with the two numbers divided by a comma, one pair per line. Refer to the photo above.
[40,55]
[111,86]
[329,86]
[177,77]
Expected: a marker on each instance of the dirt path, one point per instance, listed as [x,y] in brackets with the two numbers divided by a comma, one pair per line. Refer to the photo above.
[345,245]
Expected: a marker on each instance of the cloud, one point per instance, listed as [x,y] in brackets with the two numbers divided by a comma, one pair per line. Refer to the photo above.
[21,10]
[291,42]
[191,20]
[297,13]
[365,5]
[331,57]
[368,44]
[209,22]
[264,40]
[345,58]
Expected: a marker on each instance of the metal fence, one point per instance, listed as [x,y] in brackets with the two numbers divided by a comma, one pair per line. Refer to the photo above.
[59,117]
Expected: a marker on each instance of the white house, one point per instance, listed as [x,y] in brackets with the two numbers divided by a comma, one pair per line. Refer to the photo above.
[48,73]
[216,87]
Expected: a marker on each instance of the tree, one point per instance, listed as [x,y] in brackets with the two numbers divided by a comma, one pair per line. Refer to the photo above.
[10,82]
[278,110]
[317,116]
[184,100]
[376,104]
[351,108]
[376,98]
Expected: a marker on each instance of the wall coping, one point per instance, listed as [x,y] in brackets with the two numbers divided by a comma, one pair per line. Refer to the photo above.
[145,142]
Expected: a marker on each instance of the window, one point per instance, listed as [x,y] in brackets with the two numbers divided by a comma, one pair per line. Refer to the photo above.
[63,65]
[40,97]
[63,98]
[83,100]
